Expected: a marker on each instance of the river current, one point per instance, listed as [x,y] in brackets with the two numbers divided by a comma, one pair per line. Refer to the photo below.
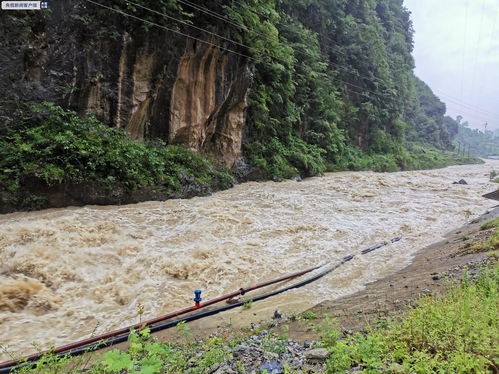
[68,273]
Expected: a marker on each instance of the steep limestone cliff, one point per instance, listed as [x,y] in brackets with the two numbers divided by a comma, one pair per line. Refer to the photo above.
[270,89]
[208,102]
[152,84]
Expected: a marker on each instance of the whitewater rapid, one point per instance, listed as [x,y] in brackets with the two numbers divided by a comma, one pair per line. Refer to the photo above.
[68,273]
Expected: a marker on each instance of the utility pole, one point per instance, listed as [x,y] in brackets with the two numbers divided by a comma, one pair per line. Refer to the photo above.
[469,146]
[459,148]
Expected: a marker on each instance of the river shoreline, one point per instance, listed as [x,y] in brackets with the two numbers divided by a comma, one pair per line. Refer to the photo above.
[292,340]
[428,273]
[154,254]
[69,195]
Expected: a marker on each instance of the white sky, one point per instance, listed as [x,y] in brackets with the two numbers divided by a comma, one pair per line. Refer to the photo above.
[457,55]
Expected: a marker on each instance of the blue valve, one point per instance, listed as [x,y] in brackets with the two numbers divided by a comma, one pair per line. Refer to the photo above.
[197,298]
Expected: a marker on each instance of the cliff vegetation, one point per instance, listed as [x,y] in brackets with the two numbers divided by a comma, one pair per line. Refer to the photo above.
[261,88]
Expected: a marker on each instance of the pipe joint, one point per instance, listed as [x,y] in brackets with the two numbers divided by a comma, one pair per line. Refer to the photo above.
[197,297]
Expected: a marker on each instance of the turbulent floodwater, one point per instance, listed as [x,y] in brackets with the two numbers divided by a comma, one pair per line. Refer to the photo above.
[66,273]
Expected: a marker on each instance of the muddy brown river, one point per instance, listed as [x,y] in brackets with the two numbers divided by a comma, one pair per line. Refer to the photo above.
[68,273]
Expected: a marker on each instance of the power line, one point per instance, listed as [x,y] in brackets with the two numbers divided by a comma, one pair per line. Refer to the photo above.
[229,50]
[491,40]
[209,43]
[462,103]
[238,25]
[213,44]
[477,48]
[212,13]
[171,30]
[469,112]
[467,106]
[466,112]
[243,27]
[187,23]
[370,79]
[464,45]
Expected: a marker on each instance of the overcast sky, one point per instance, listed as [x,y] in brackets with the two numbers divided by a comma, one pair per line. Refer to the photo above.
[457,55]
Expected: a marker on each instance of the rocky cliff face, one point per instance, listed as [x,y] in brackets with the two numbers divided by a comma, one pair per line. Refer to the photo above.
[208,101]
[153,84]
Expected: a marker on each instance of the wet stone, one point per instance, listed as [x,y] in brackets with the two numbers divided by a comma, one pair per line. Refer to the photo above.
[271,367]
[356,369]
[317,355]
[307,343]
[224,370]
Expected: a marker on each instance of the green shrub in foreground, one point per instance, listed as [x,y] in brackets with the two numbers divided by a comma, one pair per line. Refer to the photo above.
[143,356]
[454,333]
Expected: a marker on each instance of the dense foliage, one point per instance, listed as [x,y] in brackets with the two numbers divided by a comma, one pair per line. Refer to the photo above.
[52,146]
[427,119]
[333,80]
[334,87]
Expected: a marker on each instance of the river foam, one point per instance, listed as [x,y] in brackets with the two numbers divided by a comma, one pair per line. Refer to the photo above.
[67,273]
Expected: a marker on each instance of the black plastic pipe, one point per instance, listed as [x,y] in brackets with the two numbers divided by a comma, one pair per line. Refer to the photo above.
[166,325]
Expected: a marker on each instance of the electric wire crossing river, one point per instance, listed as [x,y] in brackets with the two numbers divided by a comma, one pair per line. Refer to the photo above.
[68,273]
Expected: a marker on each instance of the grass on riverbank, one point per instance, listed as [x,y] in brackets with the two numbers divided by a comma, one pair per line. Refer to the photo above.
[413,156]
[453,333]
[491,245]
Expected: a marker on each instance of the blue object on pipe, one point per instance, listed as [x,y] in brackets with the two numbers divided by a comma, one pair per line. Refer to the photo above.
[197,298]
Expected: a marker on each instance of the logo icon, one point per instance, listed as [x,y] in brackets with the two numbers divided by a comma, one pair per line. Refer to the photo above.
[24,5]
